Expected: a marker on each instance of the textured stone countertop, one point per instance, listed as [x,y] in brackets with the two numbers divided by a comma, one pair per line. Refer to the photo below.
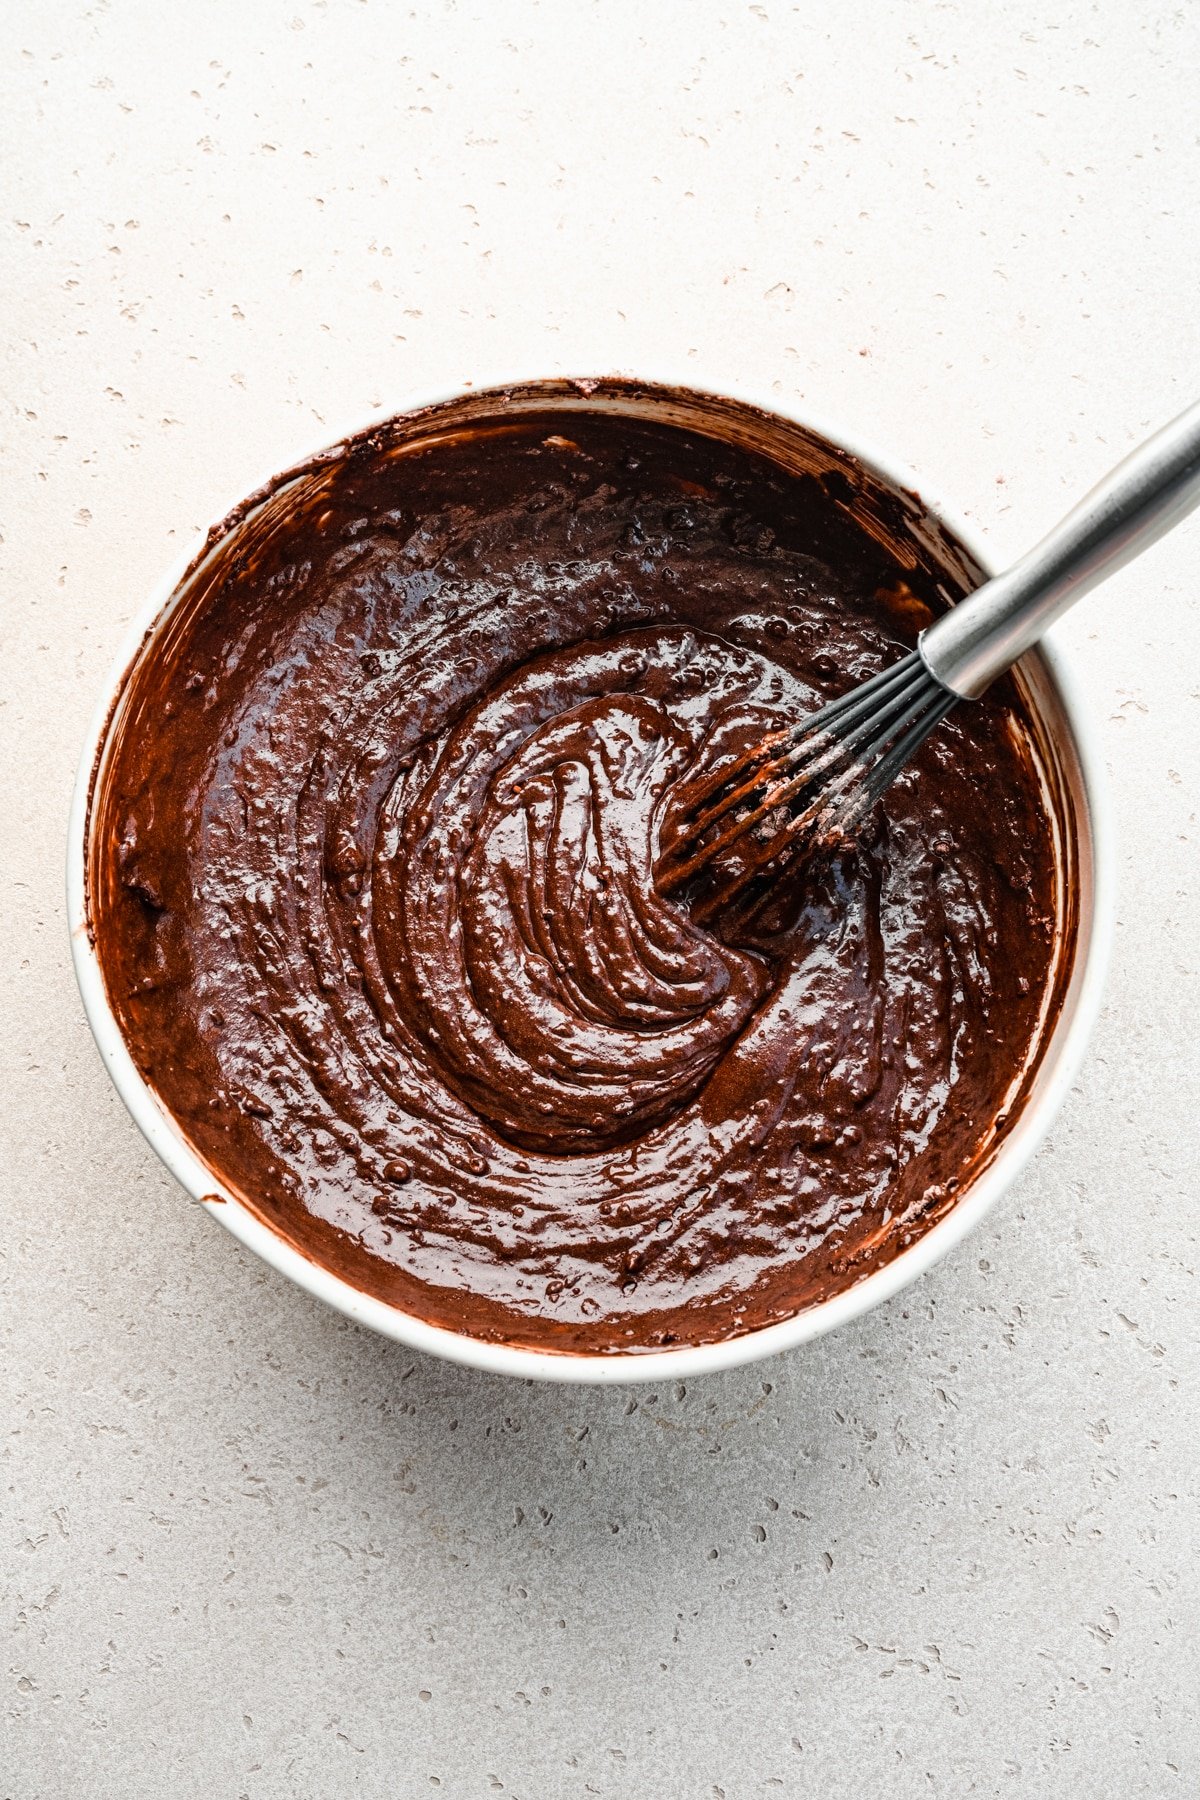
[250,1550]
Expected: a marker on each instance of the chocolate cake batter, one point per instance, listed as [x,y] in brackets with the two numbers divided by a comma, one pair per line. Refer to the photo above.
[372,886]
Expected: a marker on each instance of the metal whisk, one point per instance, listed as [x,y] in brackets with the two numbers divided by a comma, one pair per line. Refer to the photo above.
[816,781]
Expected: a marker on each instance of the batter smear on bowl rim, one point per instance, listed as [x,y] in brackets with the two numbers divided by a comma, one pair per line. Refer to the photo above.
[372,884]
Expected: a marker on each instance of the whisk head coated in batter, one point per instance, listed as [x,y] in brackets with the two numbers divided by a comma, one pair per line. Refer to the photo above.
[809,784]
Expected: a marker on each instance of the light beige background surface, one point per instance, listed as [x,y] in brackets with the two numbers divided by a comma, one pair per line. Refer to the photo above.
[249,1550]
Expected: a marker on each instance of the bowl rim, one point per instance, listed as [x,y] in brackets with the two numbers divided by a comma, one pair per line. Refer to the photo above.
[1058,1070]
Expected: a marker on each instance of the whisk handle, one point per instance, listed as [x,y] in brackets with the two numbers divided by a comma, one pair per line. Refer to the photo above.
[1156,486]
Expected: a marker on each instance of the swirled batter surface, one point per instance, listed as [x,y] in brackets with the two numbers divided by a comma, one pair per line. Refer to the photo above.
[373,890]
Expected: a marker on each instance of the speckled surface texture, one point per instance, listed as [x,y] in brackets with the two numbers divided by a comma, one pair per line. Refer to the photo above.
[249,1550]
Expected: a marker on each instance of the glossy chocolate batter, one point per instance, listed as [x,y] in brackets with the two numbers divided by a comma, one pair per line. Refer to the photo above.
[372,888]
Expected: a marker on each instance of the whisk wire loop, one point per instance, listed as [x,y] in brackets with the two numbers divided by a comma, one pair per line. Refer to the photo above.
[815,781]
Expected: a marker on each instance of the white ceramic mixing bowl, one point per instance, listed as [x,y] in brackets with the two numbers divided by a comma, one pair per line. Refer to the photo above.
[799,442]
